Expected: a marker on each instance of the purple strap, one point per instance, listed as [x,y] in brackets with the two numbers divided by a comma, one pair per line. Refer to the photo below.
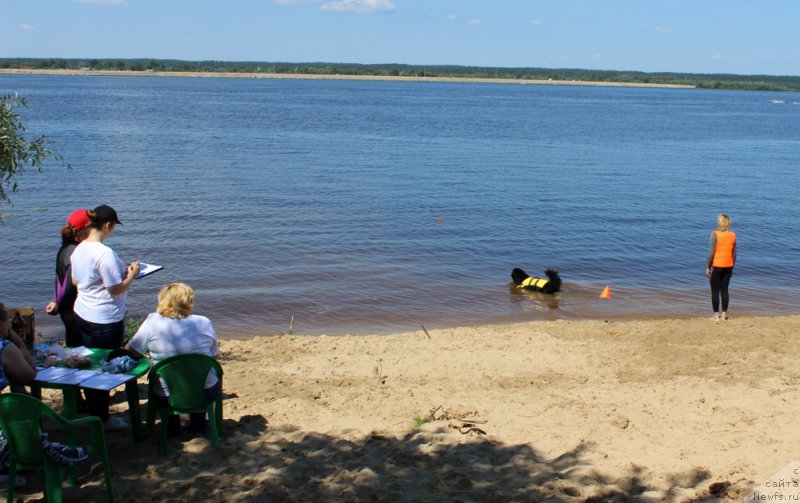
[61,287]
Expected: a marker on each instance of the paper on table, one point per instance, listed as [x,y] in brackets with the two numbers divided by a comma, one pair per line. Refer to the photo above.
[52,374]
[76,377]
[106,381]
[146,269]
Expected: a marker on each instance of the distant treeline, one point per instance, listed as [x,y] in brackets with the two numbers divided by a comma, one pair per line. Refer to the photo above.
[703,81]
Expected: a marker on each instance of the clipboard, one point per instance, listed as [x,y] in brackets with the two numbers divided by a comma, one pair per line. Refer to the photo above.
[147,269]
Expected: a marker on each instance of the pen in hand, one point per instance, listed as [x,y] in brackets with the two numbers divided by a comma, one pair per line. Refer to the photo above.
[134,268]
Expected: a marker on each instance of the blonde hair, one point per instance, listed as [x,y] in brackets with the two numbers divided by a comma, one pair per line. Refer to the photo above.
[175,300]
[723,222]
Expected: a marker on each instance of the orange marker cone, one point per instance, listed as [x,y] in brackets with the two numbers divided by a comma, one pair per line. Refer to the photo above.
[606,293]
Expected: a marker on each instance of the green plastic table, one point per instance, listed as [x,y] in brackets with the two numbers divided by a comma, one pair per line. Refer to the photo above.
[70,391]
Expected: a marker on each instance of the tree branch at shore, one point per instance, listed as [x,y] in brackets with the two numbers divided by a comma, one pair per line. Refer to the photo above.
[17,153]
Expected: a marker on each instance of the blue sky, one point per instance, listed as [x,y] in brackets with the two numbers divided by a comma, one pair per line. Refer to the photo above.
[699,36]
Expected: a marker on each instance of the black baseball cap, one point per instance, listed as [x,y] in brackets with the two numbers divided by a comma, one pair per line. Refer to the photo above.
[105,213]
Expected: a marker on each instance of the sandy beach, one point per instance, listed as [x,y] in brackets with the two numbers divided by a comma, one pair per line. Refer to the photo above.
[266,75]
[664,410]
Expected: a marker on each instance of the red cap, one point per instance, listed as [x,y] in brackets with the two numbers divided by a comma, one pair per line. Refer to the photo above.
[78,219]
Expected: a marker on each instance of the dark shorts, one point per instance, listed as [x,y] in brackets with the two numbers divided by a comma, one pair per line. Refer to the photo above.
[101,335]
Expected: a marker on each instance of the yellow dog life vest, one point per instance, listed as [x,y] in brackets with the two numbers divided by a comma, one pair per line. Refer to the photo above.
[533,282]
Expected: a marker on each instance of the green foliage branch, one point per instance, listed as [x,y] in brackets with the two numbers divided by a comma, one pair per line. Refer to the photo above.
[16,152]
[131,327]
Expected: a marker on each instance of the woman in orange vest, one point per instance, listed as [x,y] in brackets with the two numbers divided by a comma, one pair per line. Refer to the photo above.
[720,262]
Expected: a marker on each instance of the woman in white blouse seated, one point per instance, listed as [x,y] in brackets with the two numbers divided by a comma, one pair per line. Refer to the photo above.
[173,330]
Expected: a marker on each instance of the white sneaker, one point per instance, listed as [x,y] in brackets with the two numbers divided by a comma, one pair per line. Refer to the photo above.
[115,423]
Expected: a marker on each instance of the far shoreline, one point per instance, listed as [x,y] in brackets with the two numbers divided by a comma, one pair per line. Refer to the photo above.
[299,76]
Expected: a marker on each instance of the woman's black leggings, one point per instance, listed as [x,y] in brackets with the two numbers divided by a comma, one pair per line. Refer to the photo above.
[102,336]
[720,279]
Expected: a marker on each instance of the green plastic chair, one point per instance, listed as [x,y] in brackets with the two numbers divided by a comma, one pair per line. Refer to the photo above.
[21,419]
[185,377]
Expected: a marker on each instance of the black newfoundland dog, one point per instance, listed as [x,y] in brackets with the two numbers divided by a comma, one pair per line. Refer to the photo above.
[550,285]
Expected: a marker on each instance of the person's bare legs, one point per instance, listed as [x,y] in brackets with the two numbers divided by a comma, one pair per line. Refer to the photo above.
[716,316]
[724,315]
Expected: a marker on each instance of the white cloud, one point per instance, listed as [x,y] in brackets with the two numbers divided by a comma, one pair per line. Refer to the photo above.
[102,2]
[536,22]
[662,29]
[26,26]
[294,2]
[359,6]
[451,17]
[475,22]
[716,56]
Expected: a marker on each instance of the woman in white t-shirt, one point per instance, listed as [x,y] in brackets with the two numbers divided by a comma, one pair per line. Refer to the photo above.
[102,280]
[173,330]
